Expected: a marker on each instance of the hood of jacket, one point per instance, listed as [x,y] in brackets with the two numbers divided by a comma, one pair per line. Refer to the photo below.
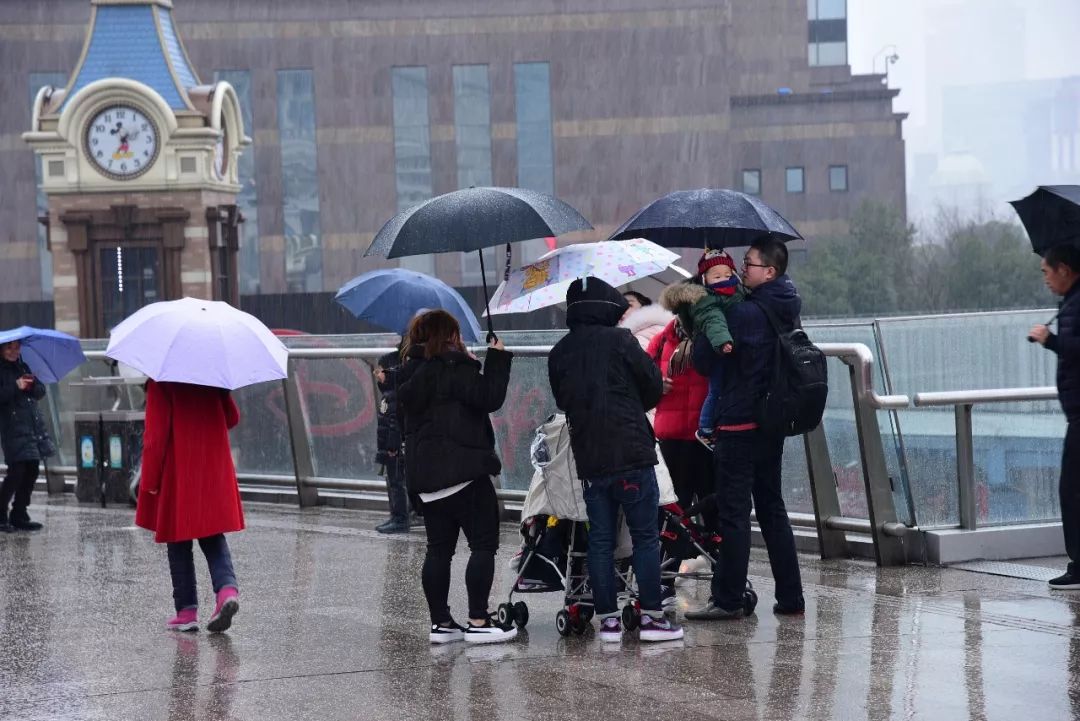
[591,301]
[649,316]
[781,297]
[678,294]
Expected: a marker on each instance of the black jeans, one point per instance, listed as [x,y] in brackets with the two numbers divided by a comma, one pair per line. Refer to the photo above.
[747,465]
[182,568]
[396,492]
[691,468]
[1069,493]
[18,485]
[474,510]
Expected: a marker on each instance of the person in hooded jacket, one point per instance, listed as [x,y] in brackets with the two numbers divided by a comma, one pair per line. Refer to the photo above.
[746,460]
[22,436]
[444,401]
[604,382]
[388,444]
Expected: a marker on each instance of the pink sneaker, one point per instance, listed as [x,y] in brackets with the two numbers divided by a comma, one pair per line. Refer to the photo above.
[228,603]
[186,620]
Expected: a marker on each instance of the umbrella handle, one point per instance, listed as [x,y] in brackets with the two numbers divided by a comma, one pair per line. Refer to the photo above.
[1032,340]
[483,277]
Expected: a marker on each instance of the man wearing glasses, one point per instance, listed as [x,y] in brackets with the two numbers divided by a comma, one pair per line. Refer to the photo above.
[746,459]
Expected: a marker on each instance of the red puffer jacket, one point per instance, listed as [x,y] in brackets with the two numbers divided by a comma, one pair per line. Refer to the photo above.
[678,411]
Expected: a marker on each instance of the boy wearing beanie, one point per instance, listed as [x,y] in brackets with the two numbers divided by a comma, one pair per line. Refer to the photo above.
[702,309]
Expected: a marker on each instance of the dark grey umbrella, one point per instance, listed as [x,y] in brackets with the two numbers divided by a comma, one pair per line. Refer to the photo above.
[474,219]
[706,218]
[1051,216]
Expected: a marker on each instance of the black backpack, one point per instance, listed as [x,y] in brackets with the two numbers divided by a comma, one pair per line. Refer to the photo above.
[795,400]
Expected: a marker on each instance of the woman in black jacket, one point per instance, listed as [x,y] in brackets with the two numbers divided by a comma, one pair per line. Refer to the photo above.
[22,436]
[388,445]
[444,401]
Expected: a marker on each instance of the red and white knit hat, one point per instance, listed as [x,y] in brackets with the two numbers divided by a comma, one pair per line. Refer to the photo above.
[713,257]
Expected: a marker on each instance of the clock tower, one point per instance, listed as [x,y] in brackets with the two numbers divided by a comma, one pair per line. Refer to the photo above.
[139,164]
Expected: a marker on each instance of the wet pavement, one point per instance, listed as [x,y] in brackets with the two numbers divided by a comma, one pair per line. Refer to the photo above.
[333,626]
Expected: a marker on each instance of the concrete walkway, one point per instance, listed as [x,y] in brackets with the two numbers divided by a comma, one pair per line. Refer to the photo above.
[333,626]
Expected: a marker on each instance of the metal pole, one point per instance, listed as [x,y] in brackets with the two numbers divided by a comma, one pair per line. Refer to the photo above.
[303,462]
[831,543]
[965,467]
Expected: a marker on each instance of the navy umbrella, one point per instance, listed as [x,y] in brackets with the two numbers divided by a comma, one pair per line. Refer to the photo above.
[390,299]
[474,219]
[1051,216]
[706,218]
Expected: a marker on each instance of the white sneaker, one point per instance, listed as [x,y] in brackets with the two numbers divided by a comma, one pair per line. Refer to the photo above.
[446,634]
[610,630]
[489,633]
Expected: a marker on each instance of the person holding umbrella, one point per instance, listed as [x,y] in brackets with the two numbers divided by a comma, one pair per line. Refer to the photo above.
[450,458]
[388,444]
[23,437]
[1061,270]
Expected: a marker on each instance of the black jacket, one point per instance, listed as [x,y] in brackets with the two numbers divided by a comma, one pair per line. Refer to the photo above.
[1066,343]
[604,382]
[21,425]
[388,434]
[747,371]
[443,404]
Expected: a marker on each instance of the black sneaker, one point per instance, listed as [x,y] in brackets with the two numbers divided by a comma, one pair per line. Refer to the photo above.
[394,527]
[782,610]
[25,524]
[6,527]
[446,632]
[705,439]
[1065,582]
[711,612]
[490,632]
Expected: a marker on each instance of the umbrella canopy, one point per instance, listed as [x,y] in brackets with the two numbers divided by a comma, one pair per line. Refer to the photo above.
[50,354]
[474,219]
[207,343]
[706,218]
[1051,216]
[390,298]
[544,283]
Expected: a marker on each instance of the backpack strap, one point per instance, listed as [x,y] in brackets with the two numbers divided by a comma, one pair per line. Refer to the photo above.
[773,320]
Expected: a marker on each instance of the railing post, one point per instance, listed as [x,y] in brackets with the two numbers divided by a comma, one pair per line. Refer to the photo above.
[965,467]
[303,461]
[832,543]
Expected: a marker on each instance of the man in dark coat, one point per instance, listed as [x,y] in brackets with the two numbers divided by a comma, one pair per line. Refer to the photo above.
[605,382]
[21,436]
[1061,270]
[747,460]
[388,445]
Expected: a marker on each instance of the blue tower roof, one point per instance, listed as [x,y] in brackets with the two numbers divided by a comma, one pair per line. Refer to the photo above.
[137,41]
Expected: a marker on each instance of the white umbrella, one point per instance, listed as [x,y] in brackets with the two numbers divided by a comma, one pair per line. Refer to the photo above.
[545,282]
[204,342]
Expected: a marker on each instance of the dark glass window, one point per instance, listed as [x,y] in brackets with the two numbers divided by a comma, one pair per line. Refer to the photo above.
[299,180]
[412,147]
[247,200]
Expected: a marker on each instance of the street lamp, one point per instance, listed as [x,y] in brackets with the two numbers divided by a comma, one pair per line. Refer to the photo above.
[891,58]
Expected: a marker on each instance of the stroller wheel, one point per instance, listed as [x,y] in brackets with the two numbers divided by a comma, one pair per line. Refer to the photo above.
[562,623]
[587,613]
[750,601]
[521,614]
[581,626]
[630,617]
[506,615]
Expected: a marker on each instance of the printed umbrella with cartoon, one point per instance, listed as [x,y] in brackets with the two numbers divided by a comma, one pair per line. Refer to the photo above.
[544,283]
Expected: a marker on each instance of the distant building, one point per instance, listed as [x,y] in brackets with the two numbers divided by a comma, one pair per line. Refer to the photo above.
[357,110]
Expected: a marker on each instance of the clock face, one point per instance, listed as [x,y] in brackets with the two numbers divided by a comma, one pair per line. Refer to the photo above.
[219,155]
[121,142]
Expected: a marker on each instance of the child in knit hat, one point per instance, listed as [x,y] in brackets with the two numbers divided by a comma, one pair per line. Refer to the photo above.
[701,309]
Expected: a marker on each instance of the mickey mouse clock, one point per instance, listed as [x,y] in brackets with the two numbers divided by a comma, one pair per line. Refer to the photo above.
[121,141]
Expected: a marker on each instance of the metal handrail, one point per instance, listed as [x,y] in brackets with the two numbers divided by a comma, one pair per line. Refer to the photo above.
[990,395]
[859,357]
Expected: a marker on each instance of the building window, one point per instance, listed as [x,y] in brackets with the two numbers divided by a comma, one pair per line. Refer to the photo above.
[535,146]
[472,138]
[828,32]
[838,178]
[412,147]
[247,200]
[794,180]
[300,181]
[751,182]
[37,82]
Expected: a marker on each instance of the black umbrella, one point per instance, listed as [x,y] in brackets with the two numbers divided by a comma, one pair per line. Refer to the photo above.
[1051,216]
[706,218]
[474,219]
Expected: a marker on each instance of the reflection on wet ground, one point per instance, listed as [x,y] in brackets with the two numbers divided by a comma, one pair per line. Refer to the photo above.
[333,626]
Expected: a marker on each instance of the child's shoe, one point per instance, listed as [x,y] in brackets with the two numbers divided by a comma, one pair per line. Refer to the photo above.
[659,629]
[184,620]
[610,630]
[705,439]
[228,603]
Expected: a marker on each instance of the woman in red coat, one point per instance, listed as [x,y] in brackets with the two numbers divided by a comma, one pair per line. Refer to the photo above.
[188,491]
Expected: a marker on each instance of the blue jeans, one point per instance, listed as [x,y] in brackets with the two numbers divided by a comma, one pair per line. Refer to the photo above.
[636,493]
[182,569]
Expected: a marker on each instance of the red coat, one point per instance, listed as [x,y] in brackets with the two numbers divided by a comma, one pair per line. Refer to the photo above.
[678,411]
[187,460]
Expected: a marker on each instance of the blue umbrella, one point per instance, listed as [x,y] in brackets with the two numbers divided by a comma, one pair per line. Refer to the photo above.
[50,354]
[390,298]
